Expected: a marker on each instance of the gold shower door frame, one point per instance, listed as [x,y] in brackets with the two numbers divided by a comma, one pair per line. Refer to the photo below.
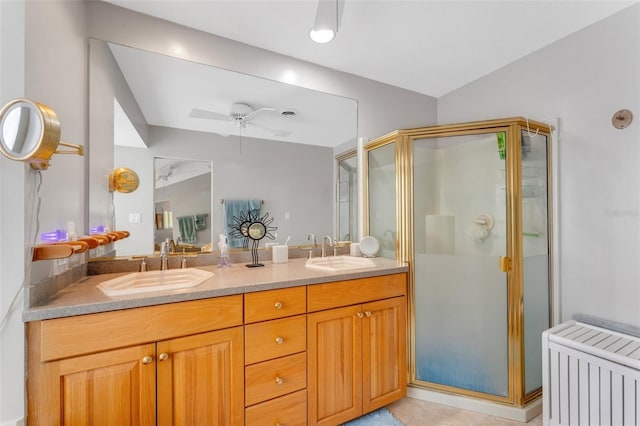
[513,127]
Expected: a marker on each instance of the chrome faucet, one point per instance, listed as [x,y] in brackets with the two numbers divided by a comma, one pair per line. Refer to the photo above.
[164,253]
[312,237]
[324,240]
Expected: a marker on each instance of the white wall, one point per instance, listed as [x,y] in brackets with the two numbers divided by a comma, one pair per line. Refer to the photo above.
[582,80]
[43,50]
[12,229]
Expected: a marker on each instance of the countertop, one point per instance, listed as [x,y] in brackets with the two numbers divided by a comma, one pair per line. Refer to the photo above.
[83,297]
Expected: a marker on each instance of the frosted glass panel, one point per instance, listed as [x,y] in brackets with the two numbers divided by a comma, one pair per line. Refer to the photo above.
[382,198]
[536,254]
[459,235]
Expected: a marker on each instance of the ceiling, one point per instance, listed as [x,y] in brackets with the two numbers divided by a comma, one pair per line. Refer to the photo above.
[430,47]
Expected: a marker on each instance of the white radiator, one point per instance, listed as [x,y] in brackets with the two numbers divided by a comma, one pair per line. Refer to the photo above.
[591,376]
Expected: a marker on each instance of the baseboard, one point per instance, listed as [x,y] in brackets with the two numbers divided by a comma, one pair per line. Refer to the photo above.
[519,414]
[16,422]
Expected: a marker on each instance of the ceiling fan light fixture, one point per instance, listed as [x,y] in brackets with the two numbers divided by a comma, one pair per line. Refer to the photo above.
[327,22]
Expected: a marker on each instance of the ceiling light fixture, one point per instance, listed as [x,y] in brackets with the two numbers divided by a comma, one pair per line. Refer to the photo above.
[328,18]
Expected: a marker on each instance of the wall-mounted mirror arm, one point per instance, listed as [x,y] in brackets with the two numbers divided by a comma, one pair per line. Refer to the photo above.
[75,149]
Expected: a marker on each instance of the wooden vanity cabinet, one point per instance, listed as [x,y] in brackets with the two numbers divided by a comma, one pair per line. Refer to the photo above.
[356,347]
[276,357]
[123,367]
[320,354]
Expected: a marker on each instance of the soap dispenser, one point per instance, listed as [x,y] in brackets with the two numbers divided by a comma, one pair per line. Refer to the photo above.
[223,259]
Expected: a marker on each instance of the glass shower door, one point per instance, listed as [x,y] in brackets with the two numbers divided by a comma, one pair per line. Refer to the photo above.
[460,233]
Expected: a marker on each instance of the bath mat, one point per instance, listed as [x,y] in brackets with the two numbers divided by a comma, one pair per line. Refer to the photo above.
[381,417]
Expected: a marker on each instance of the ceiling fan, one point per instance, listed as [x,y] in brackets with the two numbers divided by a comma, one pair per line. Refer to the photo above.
[240,115]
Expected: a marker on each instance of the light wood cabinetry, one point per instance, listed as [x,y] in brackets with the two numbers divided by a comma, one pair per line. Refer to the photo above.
[321,354]
[357,353]
[200,379]
[276,357]
[187,380]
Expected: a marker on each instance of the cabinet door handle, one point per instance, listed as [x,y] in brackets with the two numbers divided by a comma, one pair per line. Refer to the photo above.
[163,356]
[278,305]
[147,360]
[279,340]
[279,380]
[367,314]
[360,314]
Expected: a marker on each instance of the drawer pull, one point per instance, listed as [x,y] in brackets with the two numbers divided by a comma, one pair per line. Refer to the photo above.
[367,314]
[278,305]
[279,340]
[147,360]
[279,380]
[163,356]
[360,314]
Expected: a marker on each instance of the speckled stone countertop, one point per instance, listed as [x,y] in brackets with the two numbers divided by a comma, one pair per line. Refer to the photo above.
[83,297]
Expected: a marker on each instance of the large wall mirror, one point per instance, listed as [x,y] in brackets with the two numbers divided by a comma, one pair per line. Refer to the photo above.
[257,139]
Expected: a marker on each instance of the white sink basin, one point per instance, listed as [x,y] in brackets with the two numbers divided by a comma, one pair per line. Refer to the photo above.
[338,263]
[143,282]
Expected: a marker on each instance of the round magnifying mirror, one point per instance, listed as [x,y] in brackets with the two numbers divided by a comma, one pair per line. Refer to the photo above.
[257,231]
[30,131]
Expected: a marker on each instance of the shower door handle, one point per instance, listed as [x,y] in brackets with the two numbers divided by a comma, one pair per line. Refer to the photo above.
[505,263]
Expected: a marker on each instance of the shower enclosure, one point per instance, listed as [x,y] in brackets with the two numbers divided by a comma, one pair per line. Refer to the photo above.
[468,206]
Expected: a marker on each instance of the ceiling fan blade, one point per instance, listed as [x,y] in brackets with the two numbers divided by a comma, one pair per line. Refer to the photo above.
[208,115]
[251,114]
[275,132]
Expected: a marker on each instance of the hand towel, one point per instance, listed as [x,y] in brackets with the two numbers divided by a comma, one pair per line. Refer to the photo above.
[187,227]
[201,222]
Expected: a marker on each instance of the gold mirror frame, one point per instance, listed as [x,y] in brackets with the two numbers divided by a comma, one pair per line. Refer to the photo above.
[48,138]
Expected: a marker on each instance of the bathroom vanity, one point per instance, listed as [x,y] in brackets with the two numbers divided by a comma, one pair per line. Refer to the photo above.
[282,344]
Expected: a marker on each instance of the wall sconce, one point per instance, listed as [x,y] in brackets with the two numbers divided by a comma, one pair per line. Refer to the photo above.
[30,131]
[328,18]
[123,180]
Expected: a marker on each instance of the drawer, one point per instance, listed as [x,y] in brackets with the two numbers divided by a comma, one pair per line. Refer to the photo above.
[275,338]
[288,410]
[352,292]
[83,334]
[272,304]
[271,379]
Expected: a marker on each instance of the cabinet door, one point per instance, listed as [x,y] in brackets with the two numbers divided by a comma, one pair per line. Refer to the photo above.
[335,365]
[384,345]
[201,379]
[109,388]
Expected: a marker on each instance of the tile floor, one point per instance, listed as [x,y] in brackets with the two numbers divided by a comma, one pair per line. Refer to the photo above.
[414,412]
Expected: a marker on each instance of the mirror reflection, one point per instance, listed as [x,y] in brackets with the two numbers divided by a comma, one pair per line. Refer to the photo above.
[182,205]
[262,140]
[21,129]
[347,204]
